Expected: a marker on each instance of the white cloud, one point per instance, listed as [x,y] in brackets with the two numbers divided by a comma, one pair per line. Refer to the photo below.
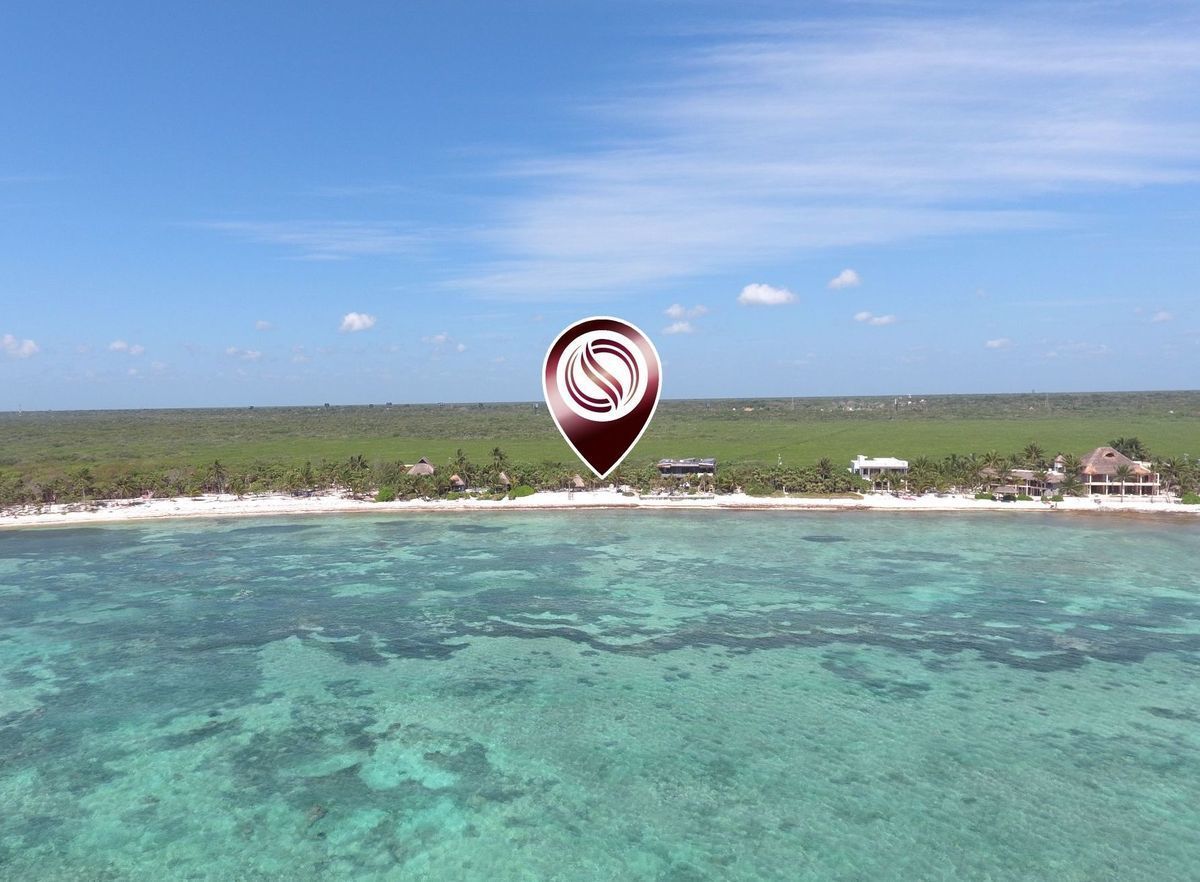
[679,311]
[243,354]
[15,348]
[1162,316]
[679,328]
[765,295]
[871,319]
[999,343]
[791,137]
[443,340]
[357,321]
[847,278]
[123,346]
[261,325]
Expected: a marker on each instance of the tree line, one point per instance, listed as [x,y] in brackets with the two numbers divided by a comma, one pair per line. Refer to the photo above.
[390,479]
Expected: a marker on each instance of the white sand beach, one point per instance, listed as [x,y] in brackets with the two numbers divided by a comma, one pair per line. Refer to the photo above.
[222,506]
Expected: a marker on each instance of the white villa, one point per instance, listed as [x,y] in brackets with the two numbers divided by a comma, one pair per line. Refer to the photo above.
[881,471]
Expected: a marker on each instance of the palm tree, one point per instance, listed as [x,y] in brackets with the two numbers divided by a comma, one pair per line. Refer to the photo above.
[1131,447]
[83,484]
[1169,471]
[499,459]
[1123,473]
[1071,485]
[356,476]
[1071,464]
[219,476]
[462,465]
[1034,455]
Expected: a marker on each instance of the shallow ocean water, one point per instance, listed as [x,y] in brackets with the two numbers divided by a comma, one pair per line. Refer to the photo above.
[584,696]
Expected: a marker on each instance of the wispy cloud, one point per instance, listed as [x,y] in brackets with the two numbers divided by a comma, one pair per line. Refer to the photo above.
[17,348]
[1079,349]
[679,328]
[820,134]
[128,348]
[262,325]
[999,343]
[871,319]
[325,240]
[442,341]
[243,354]
[1162,316]
[847,278]
[679,311]
[353,322]
[765,295]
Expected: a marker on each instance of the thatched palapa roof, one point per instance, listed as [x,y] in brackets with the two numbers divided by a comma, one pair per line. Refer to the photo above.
[455,479]
[505,479]
[578,483]
[1106,461]
[423,467]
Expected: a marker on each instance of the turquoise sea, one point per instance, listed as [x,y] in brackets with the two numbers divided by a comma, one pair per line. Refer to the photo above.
[618,696]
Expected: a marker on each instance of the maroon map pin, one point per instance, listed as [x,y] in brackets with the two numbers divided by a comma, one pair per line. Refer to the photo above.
[601,379]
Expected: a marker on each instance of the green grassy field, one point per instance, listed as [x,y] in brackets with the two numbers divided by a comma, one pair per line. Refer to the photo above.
[800,431]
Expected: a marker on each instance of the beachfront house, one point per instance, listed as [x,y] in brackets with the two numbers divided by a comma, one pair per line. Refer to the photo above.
[691,466]
[423,468]
[457,483]
[1098,472]
[884,472]
[1023,482]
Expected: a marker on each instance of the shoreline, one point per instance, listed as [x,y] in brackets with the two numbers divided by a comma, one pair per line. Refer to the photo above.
[280,505]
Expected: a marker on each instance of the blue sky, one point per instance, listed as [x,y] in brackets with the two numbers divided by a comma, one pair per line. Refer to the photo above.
[228,204]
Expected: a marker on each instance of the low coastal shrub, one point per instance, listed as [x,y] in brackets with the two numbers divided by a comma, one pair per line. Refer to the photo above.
[990,497]
[456,494]
[1057,497]
[385,494]
[522,490]
[1024,497]
[1191,499]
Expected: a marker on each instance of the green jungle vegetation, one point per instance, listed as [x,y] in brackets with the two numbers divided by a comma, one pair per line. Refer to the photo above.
[800,445]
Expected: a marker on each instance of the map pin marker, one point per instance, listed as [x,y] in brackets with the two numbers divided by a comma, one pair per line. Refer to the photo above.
[601,379]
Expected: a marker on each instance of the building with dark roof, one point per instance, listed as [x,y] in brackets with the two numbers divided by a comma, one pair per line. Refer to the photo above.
[691,466]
